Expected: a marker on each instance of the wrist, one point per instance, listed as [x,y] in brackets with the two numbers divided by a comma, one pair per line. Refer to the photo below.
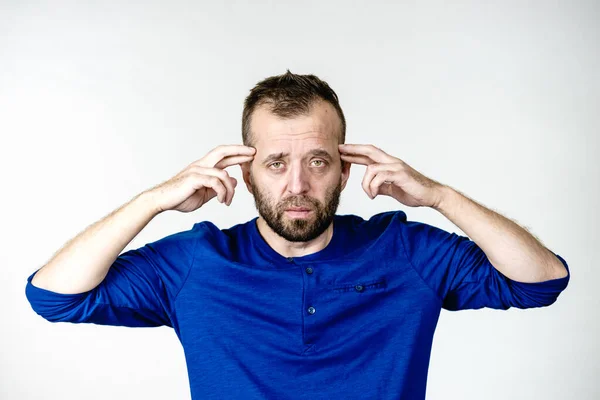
[445,195]
[147,201]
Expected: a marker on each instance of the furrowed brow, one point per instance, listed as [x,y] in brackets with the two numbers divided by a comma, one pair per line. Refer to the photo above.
[320,153]
[312,153]
[274,156]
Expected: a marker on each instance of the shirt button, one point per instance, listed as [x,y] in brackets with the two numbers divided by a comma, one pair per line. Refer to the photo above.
[309,270]
[311,310]
[290,259]
[359,288]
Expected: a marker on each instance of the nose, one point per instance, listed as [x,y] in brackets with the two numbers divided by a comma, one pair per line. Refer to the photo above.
[298,182]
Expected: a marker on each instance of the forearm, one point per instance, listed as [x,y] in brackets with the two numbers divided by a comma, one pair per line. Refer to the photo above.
[511,249]
[83,262]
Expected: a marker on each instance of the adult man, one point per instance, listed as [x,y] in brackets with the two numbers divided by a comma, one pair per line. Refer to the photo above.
[299,302]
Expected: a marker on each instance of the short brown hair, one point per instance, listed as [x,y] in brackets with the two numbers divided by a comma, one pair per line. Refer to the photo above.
[289,95]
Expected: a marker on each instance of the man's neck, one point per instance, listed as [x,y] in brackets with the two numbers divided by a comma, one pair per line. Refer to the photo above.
[293,249]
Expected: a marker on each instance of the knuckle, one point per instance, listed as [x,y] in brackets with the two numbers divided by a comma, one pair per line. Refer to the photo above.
[373,167]
[222,174]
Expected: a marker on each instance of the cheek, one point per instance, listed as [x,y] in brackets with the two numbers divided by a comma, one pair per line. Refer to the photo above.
[269,187]
[272,181]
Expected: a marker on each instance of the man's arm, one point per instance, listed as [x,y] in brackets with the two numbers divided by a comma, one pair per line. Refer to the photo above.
[511,249]
[83,262]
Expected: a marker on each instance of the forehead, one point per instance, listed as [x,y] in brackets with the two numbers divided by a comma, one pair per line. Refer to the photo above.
[321,126]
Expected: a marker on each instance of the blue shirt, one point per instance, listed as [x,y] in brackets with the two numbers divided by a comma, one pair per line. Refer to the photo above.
[353,321]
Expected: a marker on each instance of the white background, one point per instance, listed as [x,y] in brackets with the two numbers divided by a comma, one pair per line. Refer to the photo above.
[500,100]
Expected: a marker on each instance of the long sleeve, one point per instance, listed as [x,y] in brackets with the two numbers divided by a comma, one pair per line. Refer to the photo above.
[138,291]
[463,277]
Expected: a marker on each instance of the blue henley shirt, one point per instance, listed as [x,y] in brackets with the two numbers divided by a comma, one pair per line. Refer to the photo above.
[353,321]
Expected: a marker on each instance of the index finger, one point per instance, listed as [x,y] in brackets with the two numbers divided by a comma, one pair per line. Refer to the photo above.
[219,153]
[233,160]
[367,150]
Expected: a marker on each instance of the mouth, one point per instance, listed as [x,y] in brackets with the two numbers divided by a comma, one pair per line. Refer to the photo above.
[298,212]
[297,209]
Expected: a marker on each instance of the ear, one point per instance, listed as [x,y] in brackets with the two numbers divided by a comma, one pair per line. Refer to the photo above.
[345,172]
[246,175]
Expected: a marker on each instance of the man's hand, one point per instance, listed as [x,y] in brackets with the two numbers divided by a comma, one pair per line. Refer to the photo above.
[391,176]
[202,180]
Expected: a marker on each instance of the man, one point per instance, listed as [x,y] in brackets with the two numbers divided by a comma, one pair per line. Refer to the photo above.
[299,303]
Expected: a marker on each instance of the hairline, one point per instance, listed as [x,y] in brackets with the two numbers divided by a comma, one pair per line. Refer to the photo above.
[265,102]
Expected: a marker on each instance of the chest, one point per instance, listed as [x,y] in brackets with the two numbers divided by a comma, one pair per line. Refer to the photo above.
[302,307]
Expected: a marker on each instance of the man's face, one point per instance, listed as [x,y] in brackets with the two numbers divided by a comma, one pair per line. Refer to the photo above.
[296,176]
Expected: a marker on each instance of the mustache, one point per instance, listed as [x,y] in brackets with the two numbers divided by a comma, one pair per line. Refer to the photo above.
[299,201]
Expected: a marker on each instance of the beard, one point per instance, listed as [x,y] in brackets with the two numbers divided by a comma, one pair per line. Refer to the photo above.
[297,229]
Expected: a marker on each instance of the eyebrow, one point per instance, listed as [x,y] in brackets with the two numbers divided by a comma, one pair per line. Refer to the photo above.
[313,153]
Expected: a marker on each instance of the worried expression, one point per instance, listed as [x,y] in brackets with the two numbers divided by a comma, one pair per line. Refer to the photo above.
[296,176]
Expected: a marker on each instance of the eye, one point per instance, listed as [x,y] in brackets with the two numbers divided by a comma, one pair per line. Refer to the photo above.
[320,163]
[275,164]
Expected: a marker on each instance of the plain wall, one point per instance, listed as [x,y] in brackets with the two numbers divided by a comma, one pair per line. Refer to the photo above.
[500,100]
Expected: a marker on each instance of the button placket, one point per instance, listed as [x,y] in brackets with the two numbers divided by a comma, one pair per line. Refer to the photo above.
[310,332]
[311,310]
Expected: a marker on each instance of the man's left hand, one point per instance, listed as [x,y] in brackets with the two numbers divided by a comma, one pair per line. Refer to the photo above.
[391,176]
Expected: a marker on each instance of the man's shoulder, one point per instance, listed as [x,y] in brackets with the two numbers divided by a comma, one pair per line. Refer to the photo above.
[356,231]
[212,234]
[380,220]
[204,236]
[204,230]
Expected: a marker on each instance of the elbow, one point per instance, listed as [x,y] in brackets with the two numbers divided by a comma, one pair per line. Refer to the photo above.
[52,306]
[559,272]
[557,267]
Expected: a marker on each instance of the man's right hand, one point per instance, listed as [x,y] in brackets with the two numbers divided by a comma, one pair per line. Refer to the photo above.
[202,180]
